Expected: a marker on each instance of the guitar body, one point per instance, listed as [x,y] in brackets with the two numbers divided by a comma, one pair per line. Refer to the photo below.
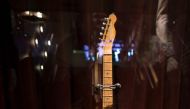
[104,97]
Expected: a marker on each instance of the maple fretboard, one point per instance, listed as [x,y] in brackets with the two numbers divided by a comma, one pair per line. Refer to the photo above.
[107,81]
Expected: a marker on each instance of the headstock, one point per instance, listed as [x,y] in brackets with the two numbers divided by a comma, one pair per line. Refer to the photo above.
[109,34]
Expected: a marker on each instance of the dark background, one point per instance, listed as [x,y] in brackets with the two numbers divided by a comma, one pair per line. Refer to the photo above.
[70,86]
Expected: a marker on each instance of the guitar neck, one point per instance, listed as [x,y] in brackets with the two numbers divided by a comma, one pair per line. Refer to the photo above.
[108,38]
[107,96]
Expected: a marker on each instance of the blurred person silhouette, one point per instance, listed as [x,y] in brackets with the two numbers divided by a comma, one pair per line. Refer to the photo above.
[168,55]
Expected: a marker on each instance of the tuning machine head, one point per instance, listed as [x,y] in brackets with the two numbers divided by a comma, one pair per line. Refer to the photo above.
[104,23]
[102,28]
[106,19]
[101,34]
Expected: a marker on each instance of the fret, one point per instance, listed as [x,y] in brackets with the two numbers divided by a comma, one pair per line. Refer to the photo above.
[107,90]
[106,105]
[107,66]
[107,73]
[107,93]
[107,58]
[108,99]
[107,81]
[108,50]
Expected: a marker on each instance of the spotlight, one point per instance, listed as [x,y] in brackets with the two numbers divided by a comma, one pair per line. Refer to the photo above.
[36,41]
[41,29]
[44,54]
[33,16]
[41,67]
[49,42]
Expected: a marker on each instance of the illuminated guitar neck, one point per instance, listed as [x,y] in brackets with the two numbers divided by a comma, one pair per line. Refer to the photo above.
[108,38]
[107,80]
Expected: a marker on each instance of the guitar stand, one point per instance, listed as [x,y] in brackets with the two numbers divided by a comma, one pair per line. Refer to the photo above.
[115,86]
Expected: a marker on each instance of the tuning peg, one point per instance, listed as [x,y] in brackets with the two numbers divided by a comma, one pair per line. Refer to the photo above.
[101,33]
[104,23]
[102,28]
[106,18]
[100,39]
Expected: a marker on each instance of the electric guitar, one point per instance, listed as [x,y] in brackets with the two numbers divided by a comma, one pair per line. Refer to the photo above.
[107,81]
